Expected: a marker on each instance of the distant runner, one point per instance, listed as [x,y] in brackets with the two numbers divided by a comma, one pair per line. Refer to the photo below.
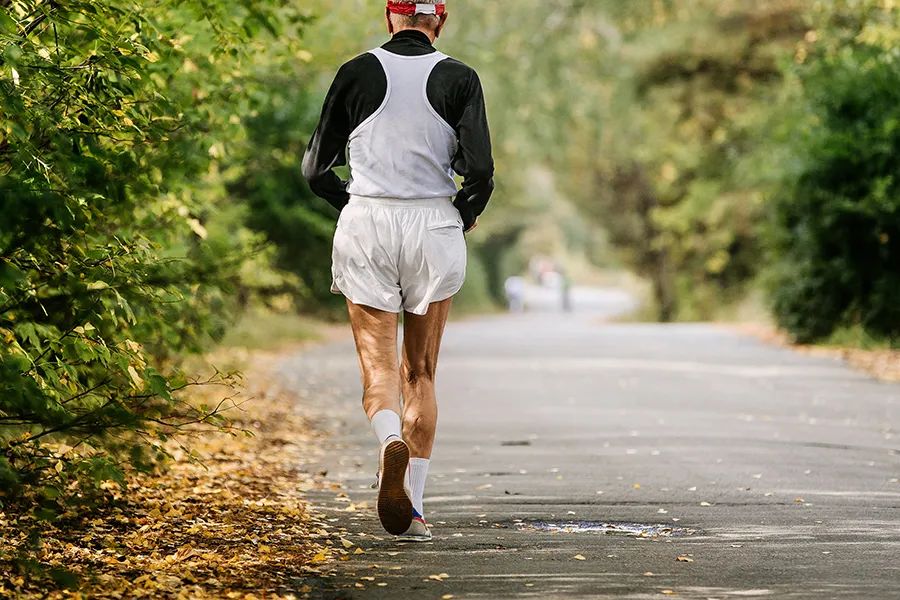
[409,116]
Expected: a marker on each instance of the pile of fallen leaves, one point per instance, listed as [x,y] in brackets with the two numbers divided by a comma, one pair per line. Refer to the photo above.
[881,364]
[227,519]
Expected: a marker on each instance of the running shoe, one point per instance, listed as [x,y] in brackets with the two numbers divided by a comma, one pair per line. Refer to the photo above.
[418,530]
[395,510]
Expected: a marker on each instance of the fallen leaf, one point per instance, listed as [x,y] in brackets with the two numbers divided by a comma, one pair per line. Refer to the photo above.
[579,557]
[684,558]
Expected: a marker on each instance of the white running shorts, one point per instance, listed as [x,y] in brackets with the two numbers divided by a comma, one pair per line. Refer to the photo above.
[398,254]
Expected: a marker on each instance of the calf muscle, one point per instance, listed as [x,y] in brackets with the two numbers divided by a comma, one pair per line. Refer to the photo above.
[421,346]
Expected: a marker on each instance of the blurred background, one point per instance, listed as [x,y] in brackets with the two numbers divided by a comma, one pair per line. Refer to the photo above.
[705,159]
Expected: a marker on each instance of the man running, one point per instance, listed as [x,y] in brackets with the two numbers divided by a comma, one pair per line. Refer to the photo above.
[409,117]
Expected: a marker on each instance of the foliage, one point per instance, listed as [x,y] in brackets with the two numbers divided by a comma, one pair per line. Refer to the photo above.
[112,260]
[837,225]
[672,125]
[679,168]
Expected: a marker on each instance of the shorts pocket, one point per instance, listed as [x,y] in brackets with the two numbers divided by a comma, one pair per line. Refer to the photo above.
[450,224]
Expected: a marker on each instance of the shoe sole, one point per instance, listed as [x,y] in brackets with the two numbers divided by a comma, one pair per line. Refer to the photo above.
[394,506]
[416,539]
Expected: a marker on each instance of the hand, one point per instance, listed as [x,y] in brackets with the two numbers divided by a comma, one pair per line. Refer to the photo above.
[472,228]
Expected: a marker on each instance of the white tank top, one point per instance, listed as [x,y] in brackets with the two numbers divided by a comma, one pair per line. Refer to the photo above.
[405,149]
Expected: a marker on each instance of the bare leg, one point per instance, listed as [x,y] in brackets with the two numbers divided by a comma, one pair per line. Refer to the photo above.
[375,333]
[421,345]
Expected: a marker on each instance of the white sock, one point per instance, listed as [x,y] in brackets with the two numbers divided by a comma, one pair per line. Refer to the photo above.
[386,423]
[418,473]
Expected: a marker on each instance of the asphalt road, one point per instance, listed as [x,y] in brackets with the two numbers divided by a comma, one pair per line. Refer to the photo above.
[580,458]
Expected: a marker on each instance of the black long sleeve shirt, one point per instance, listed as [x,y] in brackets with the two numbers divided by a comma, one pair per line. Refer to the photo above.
[359,88]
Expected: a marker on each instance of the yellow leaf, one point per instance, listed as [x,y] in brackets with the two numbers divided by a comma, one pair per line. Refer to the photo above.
[135,378]
[579,557]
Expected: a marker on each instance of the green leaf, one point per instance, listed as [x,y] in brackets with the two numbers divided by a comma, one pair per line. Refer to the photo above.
[12,53]
[158,384]
[7,23]
[50,492]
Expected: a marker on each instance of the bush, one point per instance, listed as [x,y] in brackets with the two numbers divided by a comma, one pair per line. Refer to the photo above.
[114,261]
[838,226]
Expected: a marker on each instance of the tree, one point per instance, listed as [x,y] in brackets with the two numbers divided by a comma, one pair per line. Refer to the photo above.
[837,220]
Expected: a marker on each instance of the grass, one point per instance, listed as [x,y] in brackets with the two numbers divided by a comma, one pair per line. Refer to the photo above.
[856,337]
[263,329]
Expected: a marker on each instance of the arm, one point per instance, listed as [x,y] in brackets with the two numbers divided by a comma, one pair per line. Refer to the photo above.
[327,148]
[473,158]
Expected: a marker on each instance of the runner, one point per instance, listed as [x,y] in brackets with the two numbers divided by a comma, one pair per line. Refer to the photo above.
[409,116]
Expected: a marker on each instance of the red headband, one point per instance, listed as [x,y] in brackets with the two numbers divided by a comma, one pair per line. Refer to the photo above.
[406,8]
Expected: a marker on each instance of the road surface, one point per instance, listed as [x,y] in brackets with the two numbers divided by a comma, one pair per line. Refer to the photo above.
[579,458]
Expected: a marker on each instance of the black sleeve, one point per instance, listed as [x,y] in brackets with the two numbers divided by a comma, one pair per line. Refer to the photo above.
[357,91]
[473,158]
